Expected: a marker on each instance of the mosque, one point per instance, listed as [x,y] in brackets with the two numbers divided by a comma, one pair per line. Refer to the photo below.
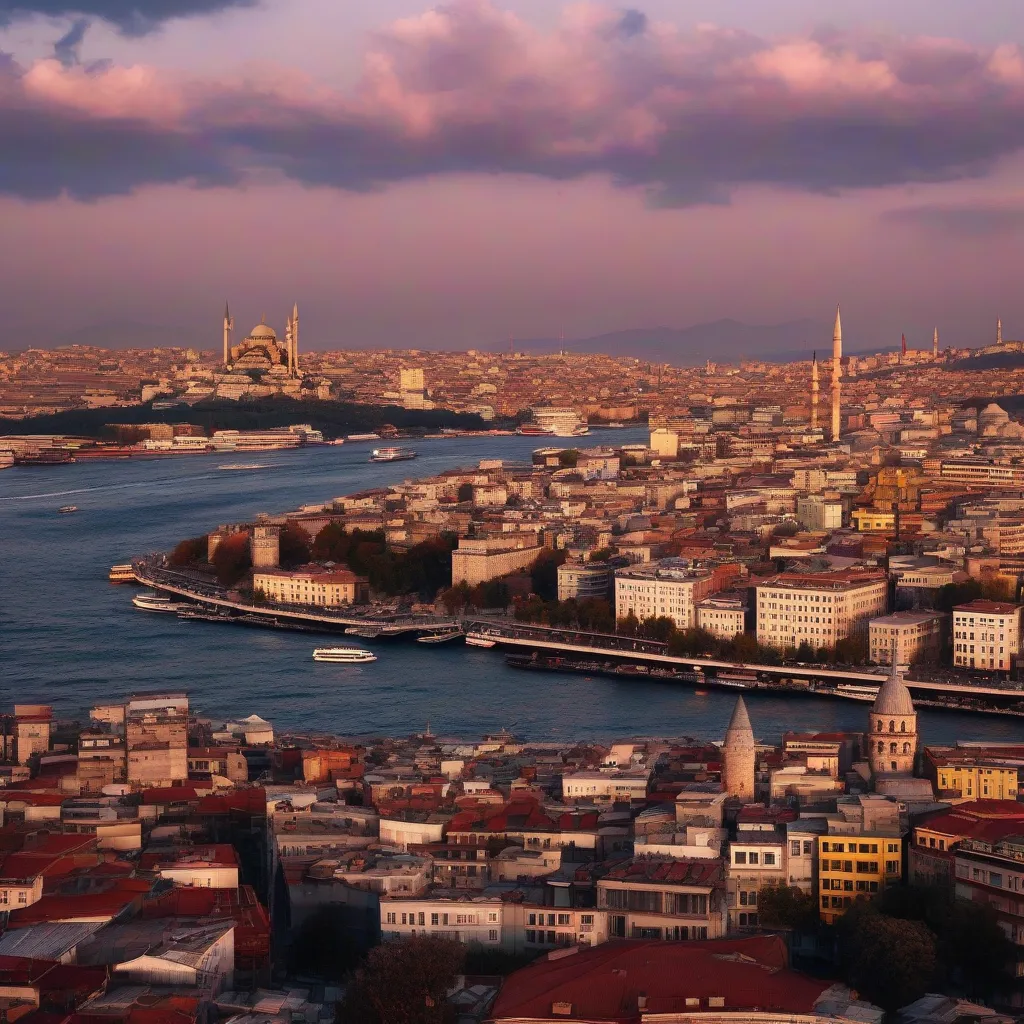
[261,364]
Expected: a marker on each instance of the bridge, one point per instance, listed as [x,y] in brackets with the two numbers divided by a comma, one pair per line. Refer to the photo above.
[544,639]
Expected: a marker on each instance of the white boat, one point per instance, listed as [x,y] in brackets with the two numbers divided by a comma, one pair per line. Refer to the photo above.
[363,437]
[392,454]
[479,641]
[67,509]
[344,655]
[158,603]
[440,638]
[121,574]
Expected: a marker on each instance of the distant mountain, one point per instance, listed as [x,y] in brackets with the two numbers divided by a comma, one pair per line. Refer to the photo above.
[720,341]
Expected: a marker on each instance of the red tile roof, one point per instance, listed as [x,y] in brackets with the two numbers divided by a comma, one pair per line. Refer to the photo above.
[602,984]
[81,906]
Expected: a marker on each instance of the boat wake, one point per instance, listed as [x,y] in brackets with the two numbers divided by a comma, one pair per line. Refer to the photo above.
[109,487]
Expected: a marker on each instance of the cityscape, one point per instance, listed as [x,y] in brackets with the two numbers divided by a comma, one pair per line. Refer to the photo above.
[512,513]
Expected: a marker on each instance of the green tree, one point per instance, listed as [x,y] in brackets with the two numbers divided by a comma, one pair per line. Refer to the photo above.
[601,554]
[544,573]
[628,625]
[658,627]
[889,961]
[805,652]
[949,596]
[405,982]
[568,458]
[787,906]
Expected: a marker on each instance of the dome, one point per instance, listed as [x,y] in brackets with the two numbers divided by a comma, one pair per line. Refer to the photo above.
[262,332]
[893,696]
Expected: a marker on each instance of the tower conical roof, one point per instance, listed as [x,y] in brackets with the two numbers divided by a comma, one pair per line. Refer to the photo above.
[893,696]
[740,721]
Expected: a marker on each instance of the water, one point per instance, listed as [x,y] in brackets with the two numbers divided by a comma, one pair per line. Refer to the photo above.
[70,638]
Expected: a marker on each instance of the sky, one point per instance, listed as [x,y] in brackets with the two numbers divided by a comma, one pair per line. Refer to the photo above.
[451,176]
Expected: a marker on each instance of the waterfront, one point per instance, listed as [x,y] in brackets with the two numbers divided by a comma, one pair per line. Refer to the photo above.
[69,638]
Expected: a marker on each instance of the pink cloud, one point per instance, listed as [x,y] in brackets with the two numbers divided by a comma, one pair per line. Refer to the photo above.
[470,88]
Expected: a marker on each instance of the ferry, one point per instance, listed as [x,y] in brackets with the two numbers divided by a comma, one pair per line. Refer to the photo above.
[853,692]
[479,641]
[344,655]
[739,680]
[392,454]
[158,603]
[121,574]
[440,638]
[535,430]
[67,509]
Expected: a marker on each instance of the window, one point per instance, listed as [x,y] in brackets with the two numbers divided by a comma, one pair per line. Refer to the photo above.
[390,920]
[753,858]
[739,857]
[769,859]
[492,935]
[794,848]
[564,919]
[433,918]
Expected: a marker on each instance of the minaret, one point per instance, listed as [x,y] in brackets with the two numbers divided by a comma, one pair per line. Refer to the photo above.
[935,343]
[837,372]
[892,742]
[740,755]
[229,326]
[815,388]
[288,343]
[903,348]
[295,339]
[999,332]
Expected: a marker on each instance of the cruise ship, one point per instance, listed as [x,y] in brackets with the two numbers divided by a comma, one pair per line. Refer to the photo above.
[344,655]
[561,421]
[392,454]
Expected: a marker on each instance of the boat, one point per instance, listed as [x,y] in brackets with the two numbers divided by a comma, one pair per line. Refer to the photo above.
[440,638]
[121,574]
[67,509]
[344,655]
[158,603]
[392,454]
[853,692]
[479,641]
[363,437]
[581,431]
[248,465]
[701,693]
[6,458]
[534,430]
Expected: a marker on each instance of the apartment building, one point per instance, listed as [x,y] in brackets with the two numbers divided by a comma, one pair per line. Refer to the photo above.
[652,898]
[669,589]
[853,866]
[755,859]
[975,772]
[820,608]
[606,785]
[583,580]
[477,560]
[992,874]
[326,588]
[722,615]
[156,739]
[986,635]
[917,636]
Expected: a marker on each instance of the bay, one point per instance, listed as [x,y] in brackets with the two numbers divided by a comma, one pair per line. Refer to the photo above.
[70,638]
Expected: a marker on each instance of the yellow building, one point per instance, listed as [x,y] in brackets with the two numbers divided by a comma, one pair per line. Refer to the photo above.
[852,867]
[974,782]
[326,588]
[869,520]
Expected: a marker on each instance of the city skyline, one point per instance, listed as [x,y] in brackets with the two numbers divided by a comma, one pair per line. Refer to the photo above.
[448,179]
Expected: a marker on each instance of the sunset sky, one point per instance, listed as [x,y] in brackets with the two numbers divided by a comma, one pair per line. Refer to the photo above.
[446,177]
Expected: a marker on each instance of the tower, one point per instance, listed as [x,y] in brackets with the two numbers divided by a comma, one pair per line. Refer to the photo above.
[935,343]
[892,722]
[739,755]
[837,372]
[815,388]
[229,326]
[266,547]
[295,340]
[999,332]
[288,344]
[903,348]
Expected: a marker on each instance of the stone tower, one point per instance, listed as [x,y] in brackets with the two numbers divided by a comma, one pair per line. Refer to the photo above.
[892,744]
[266,547]
[739,754]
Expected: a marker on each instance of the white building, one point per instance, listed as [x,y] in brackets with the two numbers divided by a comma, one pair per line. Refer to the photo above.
[819,513]
[917,636]
[583,580]
[820,608]
[662,589]
[473,918]
[986,635]
[606,786]
[756,859]
[722,616]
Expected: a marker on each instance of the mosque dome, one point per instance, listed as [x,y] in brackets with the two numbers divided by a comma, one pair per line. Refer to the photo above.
[262,332]
[893,696]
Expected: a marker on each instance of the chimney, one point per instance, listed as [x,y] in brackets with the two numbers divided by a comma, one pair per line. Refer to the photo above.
[641,1001]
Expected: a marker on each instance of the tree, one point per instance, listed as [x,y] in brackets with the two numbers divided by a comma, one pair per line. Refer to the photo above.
[658,627]
[787,906]
[544,573]
[465,492]
[949,596]
[600,554]
[628,625]
[805,652]
[189,552]
[232,559]
[294,546]
[405,982]
[889,961]
[568,458]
